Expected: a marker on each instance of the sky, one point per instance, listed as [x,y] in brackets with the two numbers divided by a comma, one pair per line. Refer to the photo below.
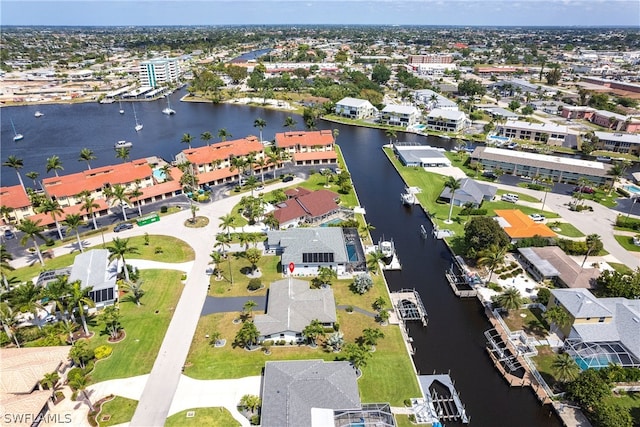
[308,12]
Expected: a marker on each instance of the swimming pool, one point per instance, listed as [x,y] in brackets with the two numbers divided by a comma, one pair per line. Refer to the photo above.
[595,362]
[351,253]
[159,174]
[329,223]
[420,127]
[632,189]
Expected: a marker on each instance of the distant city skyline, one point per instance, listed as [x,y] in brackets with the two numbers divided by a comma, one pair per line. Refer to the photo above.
[314,12]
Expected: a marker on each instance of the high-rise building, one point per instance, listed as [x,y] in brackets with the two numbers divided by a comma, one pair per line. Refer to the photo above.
[158,71]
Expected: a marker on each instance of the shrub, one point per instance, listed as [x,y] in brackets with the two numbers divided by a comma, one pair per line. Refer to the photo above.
[543,296]
[255,420]
[362,283]
[504,276]
[103,352]
[336,326]
[254,284]
[164,209]
[494,286]
[407,402]
[183,277]
[349,309]
[267,343]
[74,373]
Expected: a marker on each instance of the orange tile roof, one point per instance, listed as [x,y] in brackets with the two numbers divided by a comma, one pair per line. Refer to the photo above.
[14,197]
[304,139]
[158,189]
[315,155]
[94,179]
[46,219]
[521,226]
[223,150]
[214,175]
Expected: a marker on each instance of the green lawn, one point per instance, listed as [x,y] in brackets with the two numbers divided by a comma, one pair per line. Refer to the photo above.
[620,268]
[543,362]
[527,320]
[566,229]
[269,267]
[120,410]
[209,417]
[145,327]
[173,250]
[521,196]
[627,243]
[628,400]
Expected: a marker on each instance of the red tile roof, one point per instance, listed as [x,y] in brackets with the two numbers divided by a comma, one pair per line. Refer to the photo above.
[307,204]
[94,179]
[223,150]
[315,155]
[304,139]
[14,197]
[288,211]
[214,175]
[297,192]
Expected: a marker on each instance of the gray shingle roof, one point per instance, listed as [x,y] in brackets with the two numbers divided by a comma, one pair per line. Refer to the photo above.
[297,241]
[292,388]
[470,191]
[92,268]
[292,305]
[581,303]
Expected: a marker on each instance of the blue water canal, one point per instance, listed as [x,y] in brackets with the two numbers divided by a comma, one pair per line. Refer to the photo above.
[454,339]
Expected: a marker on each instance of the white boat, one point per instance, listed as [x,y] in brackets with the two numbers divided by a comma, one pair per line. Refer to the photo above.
[16,136]
[139,125]
[123,144]
[168,111]
[38,114]
[121,109]
[408,198]
[387,248]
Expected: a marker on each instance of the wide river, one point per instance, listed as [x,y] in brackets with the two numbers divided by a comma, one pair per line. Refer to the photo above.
[453,341]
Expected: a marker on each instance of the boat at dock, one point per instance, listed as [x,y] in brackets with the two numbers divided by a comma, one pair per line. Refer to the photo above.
[123,144]
[408,198]
[387,249]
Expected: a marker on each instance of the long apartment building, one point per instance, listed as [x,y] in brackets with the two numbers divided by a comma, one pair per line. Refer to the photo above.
[548,133]
[156,72]
[308,148]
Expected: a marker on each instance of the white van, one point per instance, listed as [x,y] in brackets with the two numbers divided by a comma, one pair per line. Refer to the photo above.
[510,197]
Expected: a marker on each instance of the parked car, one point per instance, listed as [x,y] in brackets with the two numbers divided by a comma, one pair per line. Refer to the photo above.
[122,226]
[537,217]
[287,178]
[8,234]
[260,188]
[585,190]
[512,198]
[489,174]
[50,319]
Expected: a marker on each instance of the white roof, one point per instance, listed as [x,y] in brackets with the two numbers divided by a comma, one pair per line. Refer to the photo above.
[542,127]
[402,109]
[632,138]
[353,102]
[545,158]
[446,114]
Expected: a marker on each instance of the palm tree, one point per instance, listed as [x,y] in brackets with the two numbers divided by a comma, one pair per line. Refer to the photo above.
[237,163]
[17,164]
[50,381]
[253,255]
[373,261]
[5,212]
[206,137]
[248,307]
[260,124]
[223,242]
[227,222]
[223,134]
[123,153]
[86,155]
[118,193]
[32,230]
[289,123]
[593,241]
[391,134]
[26,298]
[216,259]
[8,321]
[371,336]
[57,292]
[5,267]
[366,229]
[54,164]
[186,139]
[88,205]
[135,194]
[80,384]
[120,248]
[312,331]
[136,291]
[262,162]
[558,316]
[616,172]
[492,258]
[74,221]
[453,185]
[565,368]
[510,299]
[78,298]
[68,327]
[250,402]
[33,175]
[52,207]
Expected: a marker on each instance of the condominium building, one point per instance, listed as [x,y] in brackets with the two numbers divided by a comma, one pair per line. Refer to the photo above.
[158,71]
[446,120]
[399,115]
[433,58]
[540,132]
[308,147]
[619,142]
[355,108]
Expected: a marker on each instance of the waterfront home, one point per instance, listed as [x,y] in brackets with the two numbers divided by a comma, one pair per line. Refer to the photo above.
[309,249]
[470,191]
[420,155]
[600,331]
[432,100]
[16,199]
[308,148]
[559,169]
[446,120]
[214,164]
[498,112]
[355,108]
[399,115]
[93,269]
[518,226]
[159,71]
[548,133]
[628,143]
[553,264]
[291,307]
[22,397]
[305,206]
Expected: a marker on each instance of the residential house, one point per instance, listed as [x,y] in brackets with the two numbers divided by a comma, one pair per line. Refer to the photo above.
[446,120]
[93,269]
[305,206]
[551,263]
[399,115]
[308,148]
[518,226]
[498,112]
[309,249]
[628,143]
[355,108]
[559,169]
[23,401]
[214,164]
[291,307]
[470,191]
[549,107]
[16,198]
[600,331]
[420,155]
[433,100]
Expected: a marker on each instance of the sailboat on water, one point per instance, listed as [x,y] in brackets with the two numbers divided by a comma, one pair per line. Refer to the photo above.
[120,104]
[16,136]
[168,111]
[139,125]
